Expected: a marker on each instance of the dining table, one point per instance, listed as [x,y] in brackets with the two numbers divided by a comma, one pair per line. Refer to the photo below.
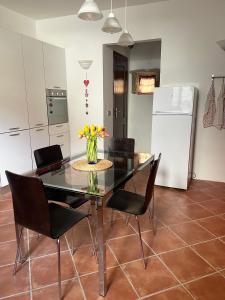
[98,186]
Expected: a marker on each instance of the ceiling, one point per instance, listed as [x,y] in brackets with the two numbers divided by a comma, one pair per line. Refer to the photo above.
[42,9]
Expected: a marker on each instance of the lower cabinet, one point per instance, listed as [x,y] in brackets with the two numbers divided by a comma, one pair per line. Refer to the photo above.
[62,139]
[39,138]
[15,153]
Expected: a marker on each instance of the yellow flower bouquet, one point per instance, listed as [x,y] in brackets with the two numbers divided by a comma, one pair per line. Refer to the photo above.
[92,133]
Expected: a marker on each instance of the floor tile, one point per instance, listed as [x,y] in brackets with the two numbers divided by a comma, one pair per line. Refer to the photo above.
[213,252]
[145,224]
[44,269]
[23,296]
[198,195]
[6,217]
[71,290]
[178,293]
[87,263]
[208,288]
[10,284]
[215,224]
[120,248]
[214,205]
[191,232]
[118,229]
[8,252]
[6,204]
[171,216]
[155,278]
[195,211]
[7,233]
[185,264]
[118,286]
[201,184]
[163,241]
[44,245]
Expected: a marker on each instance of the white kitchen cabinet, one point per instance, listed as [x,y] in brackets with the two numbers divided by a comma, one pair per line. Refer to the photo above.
[39,139]
[13,105]
[55,67]
[15,153]
[35,81]
[62,139]
[58,128]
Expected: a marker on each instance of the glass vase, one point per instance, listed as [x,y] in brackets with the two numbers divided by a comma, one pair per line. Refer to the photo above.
[92,151]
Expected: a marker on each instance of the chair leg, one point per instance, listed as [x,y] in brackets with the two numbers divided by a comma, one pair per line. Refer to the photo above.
[19,233]
[73,249]
[92,239]
[141,243]
[127,219]
[59,267]
[152,215]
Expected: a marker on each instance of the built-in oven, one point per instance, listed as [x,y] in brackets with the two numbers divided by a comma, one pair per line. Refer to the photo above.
[57,106]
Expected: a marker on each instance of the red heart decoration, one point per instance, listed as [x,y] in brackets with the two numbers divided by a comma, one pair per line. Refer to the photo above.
[86,82]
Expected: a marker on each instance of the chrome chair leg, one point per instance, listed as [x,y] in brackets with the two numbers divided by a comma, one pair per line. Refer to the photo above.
[19,234]
[92,239]
[73,249]
[59,268]
[141,243]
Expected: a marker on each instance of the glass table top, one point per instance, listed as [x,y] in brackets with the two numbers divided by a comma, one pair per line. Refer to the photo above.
[100,183]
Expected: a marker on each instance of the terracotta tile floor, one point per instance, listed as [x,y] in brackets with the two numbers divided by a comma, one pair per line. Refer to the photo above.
[185,259]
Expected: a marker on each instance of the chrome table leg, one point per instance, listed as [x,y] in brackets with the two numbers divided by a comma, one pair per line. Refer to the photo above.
[141,243]
[59,268]
[101,248]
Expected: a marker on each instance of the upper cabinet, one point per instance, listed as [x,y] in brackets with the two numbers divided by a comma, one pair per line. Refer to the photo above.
[13,111]
[35,81]
[55,67]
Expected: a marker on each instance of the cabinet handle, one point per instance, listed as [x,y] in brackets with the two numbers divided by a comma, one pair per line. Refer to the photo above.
[40,124]
[14,128]
[58,126]
[57,87]
[59,136]
[41,129]
[15,134]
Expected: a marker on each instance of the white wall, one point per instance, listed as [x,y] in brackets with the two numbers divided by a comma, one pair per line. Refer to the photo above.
[13,21]
[188,30]
[142,56]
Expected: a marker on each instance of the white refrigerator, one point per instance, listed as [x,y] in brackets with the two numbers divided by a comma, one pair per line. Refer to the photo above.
[173,133]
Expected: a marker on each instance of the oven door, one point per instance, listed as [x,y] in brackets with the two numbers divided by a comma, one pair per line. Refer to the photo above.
[57,110]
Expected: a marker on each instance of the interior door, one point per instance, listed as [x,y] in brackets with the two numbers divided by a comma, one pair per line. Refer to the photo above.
[120,70]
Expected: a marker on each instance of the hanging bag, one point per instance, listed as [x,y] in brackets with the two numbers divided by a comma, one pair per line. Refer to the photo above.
[210,107]
[219,121]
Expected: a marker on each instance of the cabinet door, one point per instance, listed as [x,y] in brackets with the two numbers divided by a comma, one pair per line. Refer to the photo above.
[13,112]
[58,128]
[15,153]
[55,67]
[63,140]
[39,139]
[35,82]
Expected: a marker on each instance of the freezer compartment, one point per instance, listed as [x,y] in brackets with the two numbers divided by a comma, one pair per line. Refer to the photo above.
[171,135]
[174,100]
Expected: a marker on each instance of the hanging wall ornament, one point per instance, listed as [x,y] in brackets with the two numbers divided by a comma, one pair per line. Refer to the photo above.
[85,65]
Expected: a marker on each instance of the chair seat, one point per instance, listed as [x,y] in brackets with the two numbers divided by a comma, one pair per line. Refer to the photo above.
[65,197]
[62,219]
[127,202]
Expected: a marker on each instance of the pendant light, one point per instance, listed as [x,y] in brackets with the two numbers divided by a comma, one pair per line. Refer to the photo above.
[111,24]
[89,11]
[126,39]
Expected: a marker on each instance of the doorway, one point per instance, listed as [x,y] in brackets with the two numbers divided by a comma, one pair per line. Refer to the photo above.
[120,95]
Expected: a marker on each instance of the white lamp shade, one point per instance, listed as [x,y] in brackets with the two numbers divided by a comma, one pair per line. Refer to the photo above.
[85,64]
[89,11]
[111,24]
[125,39]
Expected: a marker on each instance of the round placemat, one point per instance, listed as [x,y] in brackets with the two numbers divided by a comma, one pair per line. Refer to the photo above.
[83,165]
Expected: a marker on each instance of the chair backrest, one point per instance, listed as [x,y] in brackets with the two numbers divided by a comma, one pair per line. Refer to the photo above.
[122,145]
[29,203]
[47,156]
[151,181]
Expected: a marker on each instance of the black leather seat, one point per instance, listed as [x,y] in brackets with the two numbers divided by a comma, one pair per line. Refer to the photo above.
[135,204]
[52,155]
[32,211]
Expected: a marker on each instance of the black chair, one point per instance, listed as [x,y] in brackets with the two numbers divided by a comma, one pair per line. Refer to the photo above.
[52,156]
[135,204]
[32,211]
